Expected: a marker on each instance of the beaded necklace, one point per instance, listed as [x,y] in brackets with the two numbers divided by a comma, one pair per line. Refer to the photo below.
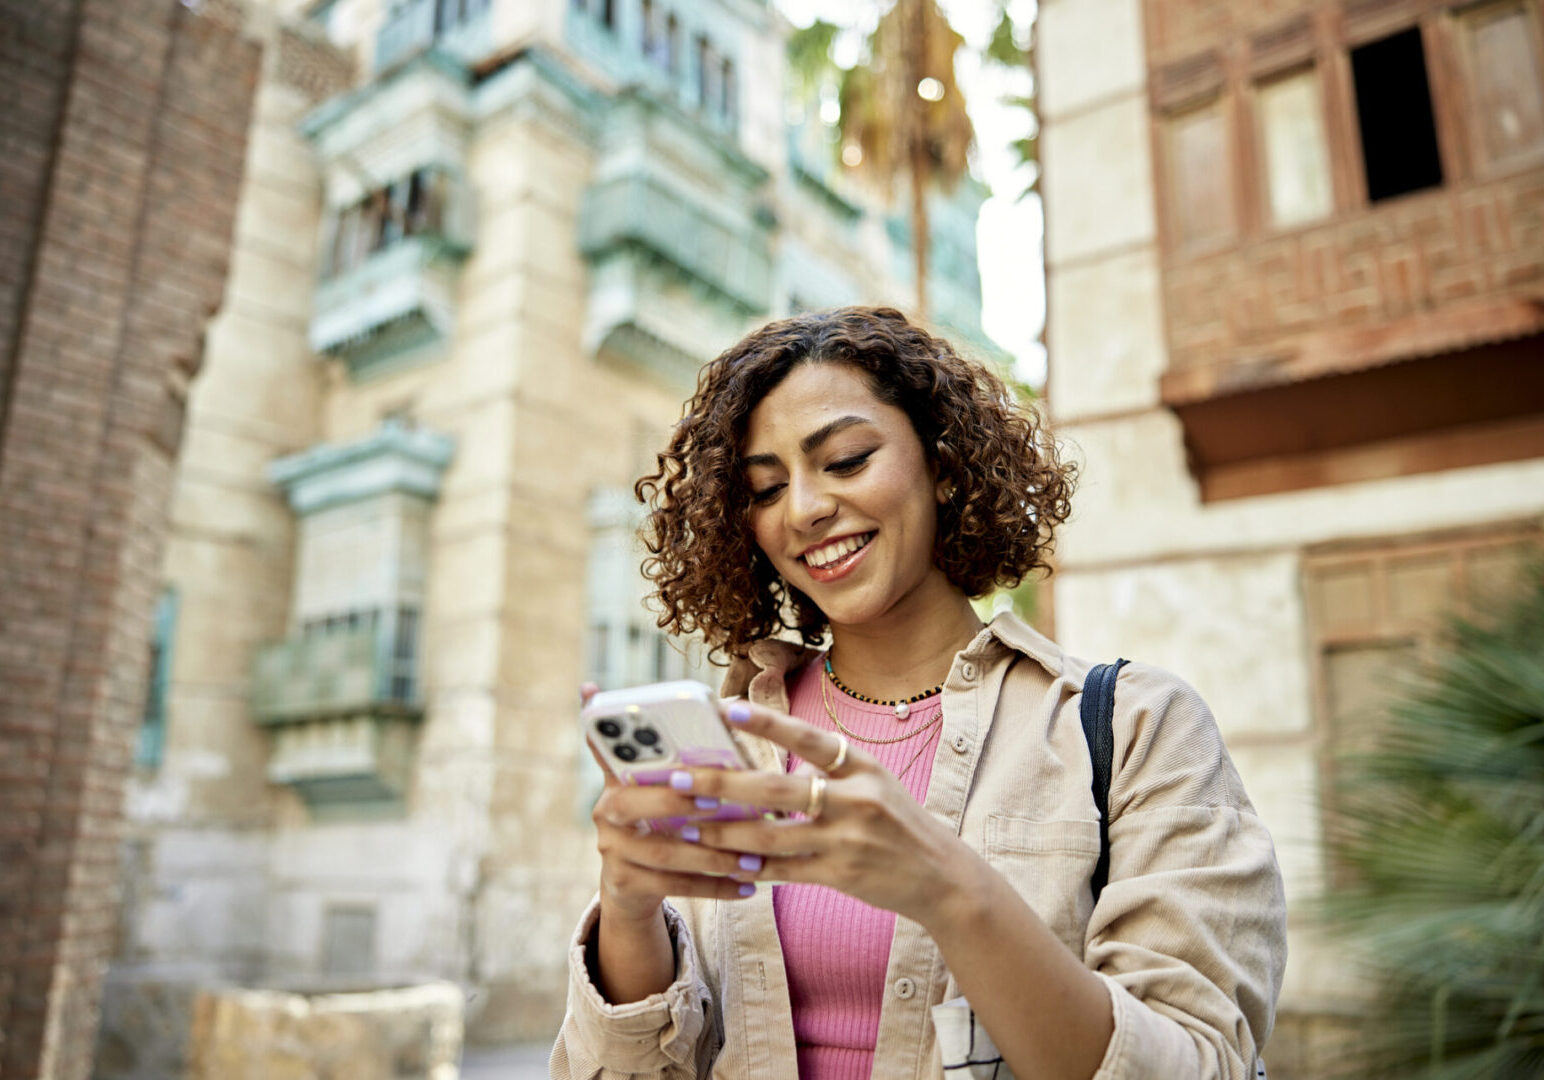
[902,706]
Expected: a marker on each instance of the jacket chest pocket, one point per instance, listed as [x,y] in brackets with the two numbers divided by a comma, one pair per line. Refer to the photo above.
[1049,864]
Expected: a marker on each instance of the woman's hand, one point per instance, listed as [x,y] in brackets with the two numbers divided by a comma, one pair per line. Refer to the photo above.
[640,866]
[871,839]
[633,955]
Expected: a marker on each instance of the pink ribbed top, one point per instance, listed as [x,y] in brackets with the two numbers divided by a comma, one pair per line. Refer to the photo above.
[835,948]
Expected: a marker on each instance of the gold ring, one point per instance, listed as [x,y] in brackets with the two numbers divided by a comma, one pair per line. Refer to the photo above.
[817,801]
[841,754]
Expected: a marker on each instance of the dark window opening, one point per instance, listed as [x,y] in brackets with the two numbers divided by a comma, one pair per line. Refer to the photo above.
[727,90]
[411,206]
[704,71]
[608,14]
[404,657]
[449,14]
[1393,109]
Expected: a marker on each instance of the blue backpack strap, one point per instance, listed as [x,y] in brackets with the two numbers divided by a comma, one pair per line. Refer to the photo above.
[1098,714]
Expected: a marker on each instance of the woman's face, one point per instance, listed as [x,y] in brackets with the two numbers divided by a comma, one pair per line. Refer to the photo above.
[844,502]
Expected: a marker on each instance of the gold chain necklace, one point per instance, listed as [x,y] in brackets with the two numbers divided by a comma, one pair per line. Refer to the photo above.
[926,744]
[825,699]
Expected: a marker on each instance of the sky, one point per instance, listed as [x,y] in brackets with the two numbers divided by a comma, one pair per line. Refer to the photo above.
[1008,234]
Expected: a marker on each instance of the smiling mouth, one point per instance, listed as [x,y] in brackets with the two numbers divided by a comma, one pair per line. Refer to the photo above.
[828,555]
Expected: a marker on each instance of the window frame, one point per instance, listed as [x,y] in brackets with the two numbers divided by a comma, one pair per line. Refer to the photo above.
[1314,68]
[1169,190]
[1485,165]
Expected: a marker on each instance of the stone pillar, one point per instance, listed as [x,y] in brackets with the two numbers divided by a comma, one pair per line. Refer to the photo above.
[125,126]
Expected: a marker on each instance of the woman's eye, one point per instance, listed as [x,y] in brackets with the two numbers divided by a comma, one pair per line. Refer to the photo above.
[766,494]
[850,464]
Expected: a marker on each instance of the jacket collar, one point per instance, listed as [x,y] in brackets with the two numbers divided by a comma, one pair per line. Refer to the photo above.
[762,672]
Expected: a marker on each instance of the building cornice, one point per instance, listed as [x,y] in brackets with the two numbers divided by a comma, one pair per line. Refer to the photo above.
[395,459]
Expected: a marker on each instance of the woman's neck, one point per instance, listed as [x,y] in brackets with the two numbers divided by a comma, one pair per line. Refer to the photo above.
[904,655]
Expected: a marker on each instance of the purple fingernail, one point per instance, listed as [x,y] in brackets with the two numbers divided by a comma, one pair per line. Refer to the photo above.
[750,862]
[681,781]
[691,834]
[740,713]
[747,889]
[706,802]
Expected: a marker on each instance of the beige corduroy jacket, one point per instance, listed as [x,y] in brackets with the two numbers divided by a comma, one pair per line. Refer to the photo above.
[1189,934]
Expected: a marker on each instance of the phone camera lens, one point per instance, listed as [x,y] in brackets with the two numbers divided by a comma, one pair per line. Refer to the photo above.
[609,728]
[627,752]
[646,736]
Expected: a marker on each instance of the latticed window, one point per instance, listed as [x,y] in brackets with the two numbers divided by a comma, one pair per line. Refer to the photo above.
[152,730]
[1506,86]
[413,205]
[1199,174]
[1294,149]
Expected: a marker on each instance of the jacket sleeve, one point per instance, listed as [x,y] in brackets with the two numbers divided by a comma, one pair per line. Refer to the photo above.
[1190,932]
[666,1036]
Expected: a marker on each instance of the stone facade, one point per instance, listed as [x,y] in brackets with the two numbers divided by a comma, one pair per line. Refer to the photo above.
[512,235]
[1295,455]
[125,132]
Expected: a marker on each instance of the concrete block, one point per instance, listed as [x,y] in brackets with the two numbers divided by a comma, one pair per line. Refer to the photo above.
[467,575]
[1088,50]
[461,652]
[1105,335]
[1098,181]
[1232,627]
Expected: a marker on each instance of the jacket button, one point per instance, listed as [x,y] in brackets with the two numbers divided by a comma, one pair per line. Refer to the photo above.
[905,988]
[968,671]
[960,744]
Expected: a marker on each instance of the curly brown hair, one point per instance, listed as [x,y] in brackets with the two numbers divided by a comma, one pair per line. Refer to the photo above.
[1011,489]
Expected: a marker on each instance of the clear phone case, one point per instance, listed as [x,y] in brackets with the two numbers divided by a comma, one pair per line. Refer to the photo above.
[645,733]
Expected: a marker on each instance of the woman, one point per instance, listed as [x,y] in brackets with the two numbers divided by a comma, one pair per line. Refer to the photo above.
[847,477]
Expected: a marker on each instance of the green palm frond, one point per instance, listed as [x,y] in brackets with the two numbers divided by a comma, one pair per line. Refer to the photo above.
[809,58]
[1438,832]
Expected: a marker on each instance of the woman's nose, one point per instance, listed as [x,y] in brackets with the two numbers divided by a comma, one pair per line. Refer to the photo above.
[809,503]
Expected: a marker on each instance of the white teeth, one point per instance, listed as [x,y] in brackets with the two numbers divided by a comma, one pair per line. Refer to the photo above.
[822,557]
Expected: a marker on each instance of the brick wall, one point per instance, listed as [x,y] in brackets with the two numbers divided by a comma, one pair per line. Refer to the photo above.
[125,128]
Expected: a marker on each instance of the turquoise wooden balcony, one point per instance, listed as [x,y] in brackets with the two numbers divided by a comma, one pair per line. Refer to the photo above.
[398,299]
[640,212]
[342,705]
[341,672]
[458,28]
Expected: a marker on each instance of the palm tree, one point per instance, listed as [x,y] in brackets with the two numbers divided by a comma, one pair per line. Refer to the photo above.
[903,117]
[1005,51]
[1439,835]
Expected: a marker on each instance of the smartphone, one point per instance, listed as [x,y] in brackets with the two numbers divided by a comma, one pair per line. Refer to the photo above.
[645,733]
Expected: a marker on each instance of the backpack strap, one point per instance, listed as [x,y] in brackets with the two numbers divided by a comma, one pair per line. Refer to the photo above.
[1098,714]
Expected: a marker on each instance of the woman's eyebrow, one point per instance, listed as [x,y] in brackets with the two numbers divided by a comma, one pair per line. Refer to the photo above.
[810,441]
[825,431]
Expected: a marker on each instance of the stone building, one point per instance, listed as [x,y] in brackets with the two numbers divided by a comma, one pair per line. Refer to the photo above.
[482,247]
[1296,331]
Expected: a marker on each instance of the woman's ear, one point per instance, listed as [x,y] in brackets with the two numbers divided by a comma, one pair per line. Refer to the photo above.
[943,491]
